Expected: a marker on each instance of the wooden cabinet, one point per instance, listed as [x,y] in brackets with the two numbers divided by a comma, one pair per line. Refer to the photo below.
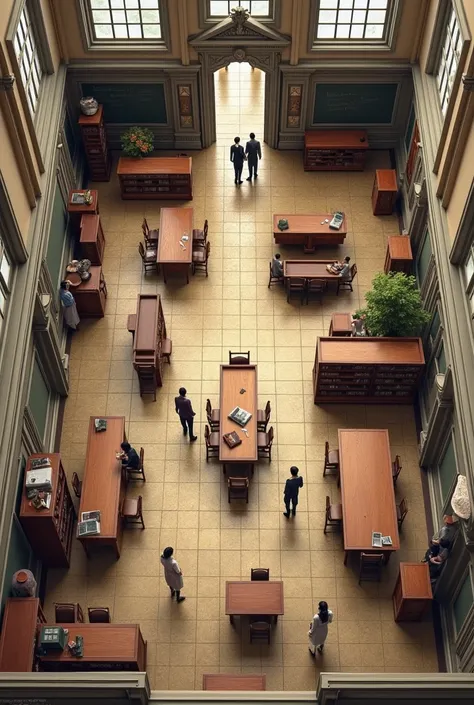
[95,145]
[367,370]
[384,191]
[399,257]
[412,594]
[92,238]
[335,150]
[341,325]
[18,641]
[82,208]
[167,178]
[50,531]
[90,296]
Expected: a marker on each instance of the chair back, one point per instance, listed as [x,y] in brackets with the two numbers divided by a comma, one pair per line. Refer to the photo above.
[402,510]
[396,468]
[141,250]
[268,411]
[296,283]
[260,631]
[238,483]
[98,615]
[208,408]
[328,507]
[67,612]
[326,452]
[260,574]
[239,358]
[142,457]
[270,435]
[76,484]
[370,566]
[207,435]
[206,228]
[353,272]
[316,285]
[145,227]
[208,250]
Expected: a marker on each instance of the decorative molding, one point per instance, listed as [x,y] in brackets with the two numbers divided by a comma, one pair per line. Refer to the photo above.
[7,82]
[241,29]
[293,115]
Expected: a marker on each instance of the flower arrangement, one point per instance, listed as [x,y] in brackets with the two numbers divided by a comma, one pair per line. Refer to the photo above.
[137,142]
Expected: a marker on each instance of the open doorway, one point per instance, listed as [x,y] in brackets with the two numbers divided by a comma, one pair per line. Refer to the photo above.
[240,101]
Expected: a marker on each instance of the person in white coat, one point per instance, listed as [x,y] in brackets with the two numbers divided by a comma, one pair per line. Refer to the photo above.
[173,574]
[318,629]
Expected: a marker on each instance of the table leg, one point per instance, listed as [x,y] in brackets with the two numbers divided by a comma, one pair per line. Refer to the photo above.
[346,555]
[231,617]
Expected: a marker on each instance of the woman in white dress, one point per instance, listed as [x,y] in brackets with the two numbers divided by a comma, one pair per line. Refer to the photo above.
[173,574]
[318,629]
[71,315]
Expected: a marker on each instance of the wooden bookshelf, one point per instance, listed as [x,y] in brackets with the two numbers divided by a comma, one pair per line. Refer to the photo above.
[167,178]
[95,145]
[335,150]
[367,370]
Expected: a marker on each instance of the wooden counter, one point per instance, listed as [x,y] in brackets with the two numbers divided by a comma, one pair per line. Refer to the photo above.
[156,177]
[367,494]
[399,257]
[90,296]
[233,681]
[341,325]
[170,256]
[17,642]
[335,150]
[107,647]
[309,231]
[92,239]
[412,594]
[83,208]
[384,191]
[233,379]
[104,483]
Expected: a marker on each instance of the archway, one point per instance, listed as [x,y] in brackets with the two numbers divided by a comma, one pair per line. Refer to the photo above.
[239,91]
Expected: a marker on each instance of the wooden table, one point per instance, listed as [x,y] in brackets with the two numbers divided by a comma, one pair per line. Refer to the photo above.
[120,646]
[92,238]
[233,379]
[20,620]
[309,269]
[412,594]
[368,497]
[83,208]
[104,483]
[247,597]
[90,295]
[341,325]
[233,681]
[309,231]
[384,191]
[173,258]
[399,257]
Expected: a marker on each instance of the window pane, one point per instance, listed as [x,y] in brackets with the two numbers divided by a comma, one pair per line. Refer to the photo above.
[357,19]
[463,602]
[38,401]
[449,58]
[441,358]
[126,19]
[326,16]
[219,8]
[447,471]
[326,31]
[5,270]
[423,259]
[260,8]
[28,59]
[343,31]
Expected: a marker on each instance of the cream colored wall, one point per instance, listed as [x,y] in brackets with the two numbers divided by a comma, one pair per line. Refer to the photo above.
[13,182]
[461,189]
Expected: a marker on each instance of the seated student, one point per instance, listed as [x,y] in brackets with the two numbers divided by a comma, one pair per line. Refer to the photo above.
[277,266]
[342,268]
[435,563]
[447,534]
[129,456]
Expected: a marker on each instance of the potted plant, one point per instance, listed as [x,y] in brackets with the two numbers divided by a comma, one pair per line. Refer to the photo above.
[137,142]
[394,306]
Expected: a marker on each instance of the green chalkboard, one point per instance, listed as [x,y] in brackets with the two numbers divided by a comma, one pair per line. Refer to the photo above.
[136,103]
[354,103]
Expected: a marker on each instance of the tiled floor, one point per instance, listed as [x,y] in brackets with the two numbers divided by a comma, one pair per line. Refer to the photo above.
[185,499]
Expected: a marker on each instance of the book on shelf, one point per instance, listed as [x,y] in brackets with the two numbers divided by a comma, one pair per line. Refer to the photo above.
[240,416]
[232,439]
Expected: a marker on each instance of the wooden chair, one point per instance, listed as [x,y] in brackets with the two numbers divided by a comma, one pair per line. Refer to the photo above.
[213,416]
[76,484]
[212,443]
[150,235]
[238,488]
[260,630]
[99,615]
[331,460]
[167,349]
[402,511]
[333,515]
[273,279]
[200,236]
[68,613]
[259,573]
[201,258]
[346,284]
[264,443]
[132,512]
[315,288]
[396,469]
[263,417]
[239,358]
[148,258]
[370,566]
[295,285]
[137,473]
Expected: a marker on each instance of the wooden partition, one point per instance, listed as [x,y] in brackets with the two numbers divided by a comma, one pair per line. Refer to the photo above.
[149,334]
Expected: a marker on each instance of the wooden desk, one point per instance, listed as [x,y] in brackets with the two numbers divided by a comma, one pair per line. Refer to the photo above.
[92,239]
[156,177]
[148,328]
[233,681]
[341,325]
[104,483]
[246,597]
[173,258]
[107,647]
[17,642]
[412,594]
[309,269]
[83,208]
[384,191]
[399,257]
[309,231]
[90,296]
[233,379]
[335,150]
[368,497]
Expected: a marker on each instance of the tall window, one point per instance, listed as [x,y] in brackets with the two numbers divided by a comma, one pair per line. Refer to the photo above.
[28,58]
[447,473]
[423,259]
[468,275]
[451,46]
[257,8]
[463,602]
[353,19]
[125,20]
[5,284]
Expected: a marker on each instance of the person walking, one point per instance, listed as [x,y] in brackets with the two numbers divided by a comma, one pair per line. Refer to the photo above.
[254,153]
[71,315]
[186,414]
[237,157]
[290,493]
[173,574]
[318,629]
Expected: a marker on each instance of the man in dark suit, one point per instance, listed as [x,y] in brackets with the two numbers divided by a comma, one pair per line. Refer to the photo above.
[186,414]
[290,494]
[254,153]
[237,156]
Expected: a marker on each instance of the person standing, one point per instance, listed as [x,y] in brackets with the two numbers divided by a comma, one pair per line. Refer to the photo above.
[173,574]
[186,414]
[254,153]
[292,488]
[318,629]
[71,315]
[237,157]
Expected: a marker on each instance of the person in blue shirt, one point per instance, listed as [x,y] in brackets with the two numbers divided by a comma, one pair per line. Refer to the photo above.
[290,494]
[130,457]
[71,316]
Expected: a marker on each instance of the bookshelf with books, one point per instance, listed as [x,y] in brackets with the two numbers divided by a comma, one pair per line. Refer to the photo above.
[367,370]
[49,528]
[95,145]
[167,178]
[335,150]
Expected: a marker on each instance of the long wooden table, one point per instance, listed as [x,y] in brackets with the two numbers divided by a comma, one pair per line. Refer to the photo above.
[233,681]
[234,378]
[17,641]
[247,597]
[309,269]
[309,231]
[368,497]
[118,645]
[104,483]
[171,256]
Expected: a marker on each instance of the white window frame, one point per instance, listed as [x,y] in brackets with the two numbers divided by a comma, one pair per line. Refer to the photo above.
[449,58]
[91,43]
[6,263]
[468,280]
[206,17]
[387,42]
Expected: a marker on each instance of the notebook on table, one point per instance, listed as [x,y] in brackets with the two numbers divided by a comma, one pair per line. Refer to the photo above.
[240,416]
[232,439]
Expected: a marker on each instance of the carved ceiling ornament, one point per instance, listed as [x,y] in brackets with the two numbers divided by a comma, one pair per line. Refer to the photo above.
[239,16]
[239,55]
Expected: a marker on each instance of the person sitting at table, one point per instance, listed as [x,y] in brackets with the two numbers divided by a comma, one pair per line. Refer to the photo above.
[277,266]
[129,456]
[435,563]
[446,534]
[342,268]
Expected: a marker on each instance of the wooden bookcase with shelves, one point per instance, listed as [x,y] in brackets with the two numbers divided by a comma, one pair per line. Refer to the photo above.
[95,145]
[335,150]
[167,178]
[367,370]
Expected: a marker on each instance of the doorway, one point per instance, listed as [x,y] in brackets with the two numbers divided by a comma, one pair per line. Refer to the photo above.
[240,103]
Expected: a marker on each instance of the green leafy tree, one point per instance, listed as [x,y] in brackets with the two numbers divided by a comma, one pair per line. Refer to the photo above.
[394,306]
